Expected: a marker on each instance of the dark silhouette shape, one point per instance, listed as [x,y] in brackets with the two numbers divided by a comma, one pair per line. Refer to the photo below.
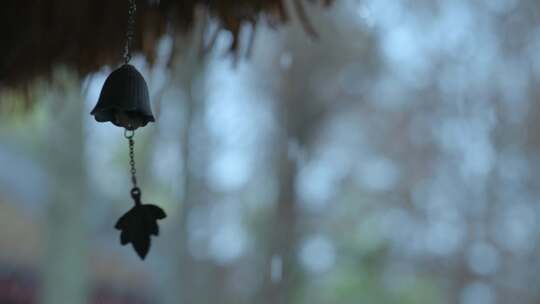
[124,99]
[139,224]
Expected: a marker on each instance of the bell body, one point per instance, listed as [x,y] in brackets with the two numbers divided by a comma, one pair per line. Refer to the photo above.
[124,99]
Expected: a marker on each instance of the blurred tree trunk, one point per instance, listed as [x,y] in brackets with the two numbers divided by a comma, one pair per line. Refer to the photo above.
[187,270]
[64,267]
[298,115]
[284,275]
[189,278]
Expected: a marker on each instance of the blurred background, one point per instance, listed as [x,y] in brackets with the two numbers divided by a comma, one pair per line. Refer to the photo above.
[389,160]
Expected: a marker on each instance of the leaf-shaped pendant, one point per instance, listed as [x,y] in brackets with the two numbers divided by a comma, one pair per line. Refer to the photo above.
[137,226]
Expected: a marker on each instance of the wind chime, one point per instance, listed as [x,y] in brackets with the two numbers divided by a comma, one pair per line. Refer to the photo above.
[124,101]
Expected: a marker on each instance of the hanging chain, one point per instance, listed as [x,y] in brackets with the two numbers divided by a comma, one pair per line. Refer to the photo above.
[129,134]
[135,191]
[130,30]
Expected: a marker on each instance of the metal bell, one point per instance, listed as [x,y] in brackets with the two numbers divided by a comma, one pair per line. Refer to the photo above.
[124,99]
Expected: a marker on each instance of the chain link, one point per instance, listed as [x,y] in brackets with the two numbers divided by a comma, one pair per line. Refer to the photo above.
[130,30]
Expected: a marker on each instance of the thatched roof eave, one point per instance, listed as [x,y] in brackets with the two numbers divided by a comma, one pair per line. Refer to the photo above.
[85,35]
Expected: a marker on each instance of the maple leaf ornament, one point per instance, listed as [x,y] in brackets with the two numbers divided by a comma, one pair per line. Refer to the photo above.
[139,224]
